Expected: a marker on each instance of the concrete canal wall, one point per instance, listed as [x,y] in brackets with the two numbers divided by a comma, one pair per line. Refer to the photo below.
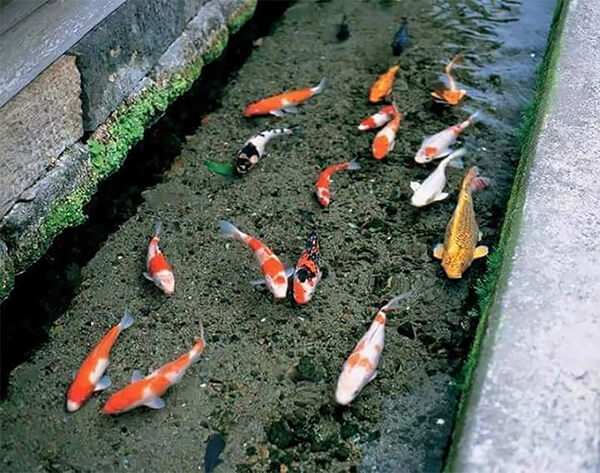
[534,402]
[78,87]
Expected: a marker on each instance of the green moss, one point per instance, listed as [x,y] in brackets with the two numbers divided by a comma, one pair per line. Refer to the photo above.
[241,15]
[65,212]
[7,274]
[217,46]
[499,260]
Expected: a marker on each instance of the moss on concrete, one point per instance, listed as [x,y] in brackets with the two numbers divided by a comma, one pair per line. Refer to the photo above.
[7,272]
[498,266]
[241,15]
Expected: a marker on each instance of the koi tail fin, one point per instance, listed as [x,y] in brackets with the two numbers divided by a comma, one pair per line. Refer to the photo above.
[474,118]
[353,165]
[198,348]
[229,230]
[319,88]
[157,228]
[294,130]
[456,60]
[454,158]
[126,321]
[480,183]
[395,302]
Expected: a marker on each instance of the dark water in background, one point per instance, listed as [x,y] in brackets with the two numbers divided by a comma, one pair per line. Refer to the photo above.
[275,406]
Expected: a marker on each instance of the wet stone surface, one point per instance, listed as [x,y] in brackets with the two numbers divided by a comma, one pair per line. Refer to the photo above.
[266,379]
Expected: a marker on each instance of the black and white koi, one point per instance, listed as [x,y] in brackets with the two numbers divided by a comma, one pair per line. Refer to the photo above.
[254,148]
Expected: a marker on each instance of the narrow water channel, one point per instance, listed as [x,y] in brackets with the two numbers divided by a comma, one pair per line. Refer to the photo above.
[266,379]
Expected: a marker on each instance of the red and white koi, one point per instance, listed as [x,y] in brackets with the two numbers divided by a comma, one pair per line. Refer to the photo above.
[148,391]
[254,148]
[438,145]
[385,139]
[159,269]
[323,181]
[281,104]
[89,377]
[361,366]
[431,189]
[378,119]
[308,270]
[275,275]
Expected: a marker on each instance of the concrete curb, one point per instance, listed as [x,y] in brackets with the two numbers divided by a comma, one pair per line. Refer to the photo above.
[535,395]
[34,220]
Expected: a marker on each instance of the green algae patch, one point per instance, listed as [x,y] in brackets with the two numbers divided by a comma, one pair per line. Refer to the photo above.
[499,263]
[7,272]
[241,16]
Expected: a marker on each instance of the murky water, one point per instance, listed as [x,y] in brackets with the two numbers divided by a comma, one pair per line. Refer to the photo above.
[267,377]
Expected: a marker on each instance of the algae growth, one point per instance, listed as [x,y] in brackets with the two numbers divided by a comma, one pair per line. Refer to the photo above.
[266,379]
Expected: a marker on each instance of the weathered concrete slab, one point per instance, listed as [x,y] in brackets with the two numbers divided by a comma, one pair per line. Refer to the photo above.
[535,403]
[36,126]
[31,224]
[38,40]
[13,11]
[120,51]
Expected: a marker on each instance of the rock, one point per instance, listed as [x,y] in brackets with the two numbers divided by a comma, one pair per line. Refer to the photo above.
[7,271]
[55,202]
[36,126]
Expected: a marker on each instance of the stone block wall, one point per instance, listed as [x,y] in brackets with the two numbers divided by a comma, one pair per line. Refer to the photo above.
[114,82]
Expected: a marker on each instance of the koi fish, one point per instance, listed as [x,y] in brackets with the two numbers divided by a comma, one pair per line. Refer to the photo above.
[449,94]
[280,104]
[275,275]
[90,377]
[438,145]
[148,391]
[343,33]
[214,447]
[378,119]
[383,85]
[385,139]
[462,234]
[430,190]
[254,148]
[159,269]
[401,39]
[322,184]
[308,270]
[361,366]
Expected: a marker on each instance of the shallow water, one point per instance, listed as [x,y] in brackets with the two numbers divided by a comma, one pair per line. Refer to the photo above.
[267,376]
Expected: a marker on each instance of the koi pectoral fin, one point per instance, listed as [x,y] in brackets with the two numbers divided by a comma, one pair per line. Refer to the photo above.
[289,272]
[136,375]
[147,276]
[277,113]
[438,251]
[373,376]
[291,109]
[441,196]
[258,282]
[155,403]
[480,252]
[103,383]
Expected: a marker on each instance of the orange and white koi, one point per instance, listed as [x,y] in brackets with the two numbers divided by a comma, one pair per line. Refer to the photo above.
[159,269]
[275,275]
[281,104]
[361,366]
[439,145]
[148,391]
[308,270]
[89,377]
[378,119]
[323,181]
[385,139]
[449,94]
[462,233]
[383,85]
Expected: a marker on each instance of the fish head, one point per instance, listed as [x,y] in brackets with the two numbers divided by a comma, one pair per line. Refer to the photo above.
[245,163]
[253,109]
[79,392]
[305,283]
[324,196]
[455,264]
[421,156]
[350,383]
[165,281]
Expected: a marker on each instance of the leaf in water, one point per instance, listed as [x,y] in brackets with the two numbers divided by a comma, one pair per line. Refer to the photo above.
[220,168]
